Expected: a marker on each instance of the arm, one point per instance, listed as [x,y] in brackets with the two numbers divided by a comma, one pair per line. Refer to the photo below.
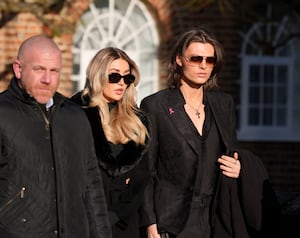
[95,199]
[147,211]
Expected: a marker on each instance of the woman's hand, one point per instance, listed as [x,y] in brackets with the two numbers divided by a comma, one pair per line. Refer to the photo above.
[152,231]
[230,166]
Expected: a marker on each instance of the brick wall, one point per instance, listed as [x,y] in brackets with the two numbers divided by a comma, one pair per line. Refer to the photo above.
[282,161]
[11,35]
[59,26]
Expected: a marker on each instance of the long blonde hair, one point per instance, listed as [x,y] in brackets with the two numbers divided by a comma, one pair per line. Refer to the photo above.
[122,123]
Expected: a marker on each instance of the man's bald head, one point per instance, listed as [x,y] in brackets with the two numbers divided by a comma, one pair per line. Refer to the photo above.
[38,66]
[36,43]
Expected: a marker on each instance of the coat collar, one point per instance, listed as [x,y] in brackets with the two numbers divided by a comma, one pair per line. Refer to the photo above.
[221,106]
[23,96]
[175,108]
[128,157]
[178,116]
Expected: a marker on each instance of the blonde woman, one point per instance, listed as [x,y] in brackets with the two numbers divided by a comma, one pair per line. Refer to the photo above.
[120,135]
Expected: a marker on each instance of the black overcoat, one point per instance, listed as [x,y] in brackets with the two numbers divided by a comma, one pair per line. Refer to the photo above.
[125,176]
[29,151]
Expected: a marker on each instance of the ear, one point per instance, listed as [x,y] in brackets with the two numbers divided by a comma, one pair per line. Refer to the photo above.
[179,60]
[17,68]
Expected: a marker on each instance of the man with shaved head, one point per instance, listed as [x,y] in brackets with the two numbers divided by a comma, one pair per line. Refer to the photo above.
[50,185]
[38,68]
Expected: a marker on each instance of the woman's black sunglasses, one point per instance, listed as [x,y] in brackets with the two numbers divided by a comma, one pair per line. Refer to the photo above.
[116,77]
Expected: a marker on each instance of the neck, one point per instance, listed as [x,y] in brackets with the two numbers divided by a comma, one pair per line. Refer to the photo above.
[192,95]
[111,105]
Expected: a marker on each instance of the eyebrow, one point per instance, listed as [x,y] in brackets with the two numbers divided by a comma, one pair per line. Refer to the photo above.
[114,69]
[45,68]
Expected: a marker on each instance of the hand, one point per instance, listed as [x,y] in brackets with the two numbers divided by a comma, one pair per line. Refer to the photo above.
[152,231]
[230,166]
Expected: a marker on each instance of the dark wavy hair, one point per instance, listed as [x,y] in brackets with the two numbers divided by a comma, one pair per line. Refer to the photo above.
[196,35]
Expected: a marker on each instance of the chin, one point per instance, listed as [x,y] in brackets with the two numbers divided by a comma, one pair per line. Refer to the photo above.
[43,97]
[116,99]
[42,100]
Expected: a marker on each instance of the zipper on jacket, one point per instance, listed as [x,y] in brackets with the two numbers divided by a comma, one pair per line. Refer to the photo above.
[20,194]
[47,122]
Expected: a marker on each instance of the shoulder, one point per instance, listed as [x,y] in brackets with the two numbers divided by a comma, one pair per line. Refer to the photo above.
[79,99]
[5,97]
[3,93]
[219,96]
[68,108]
[8,106]
[143,117]
[156,96]
[93,116]
[91,111]
[156,99]
[219,93]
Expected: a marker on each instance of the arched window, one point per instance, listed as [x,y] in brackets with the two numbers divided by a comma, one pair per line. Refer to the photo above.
[125,24]
[268,107]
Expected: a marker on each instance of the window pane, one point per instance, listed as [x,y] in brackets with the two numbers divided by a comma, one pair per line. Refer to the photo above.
[281,116]
[254,73]
[268,74]
[267,117]
[268,95]
[281,95]
[253,116]
[254,95]
[282,74]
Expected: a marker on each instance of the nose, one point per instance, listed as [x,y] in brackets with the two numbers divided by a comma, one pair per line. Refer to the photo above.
[203,64]
[46,78]
[121,81]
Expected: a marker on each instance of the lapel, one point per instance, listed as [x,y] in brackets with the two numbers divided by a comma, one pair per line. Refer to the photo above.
[175,109]
[220,114]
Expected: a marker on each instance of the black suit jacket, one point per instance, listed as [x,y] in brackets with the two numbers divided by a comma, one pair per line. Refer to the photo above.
[168,200]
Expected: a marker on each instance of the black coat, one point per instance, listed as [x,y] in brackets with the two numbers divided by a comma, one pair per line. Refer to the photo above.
[55,164]
[247,207]
[172,144]
[130,164]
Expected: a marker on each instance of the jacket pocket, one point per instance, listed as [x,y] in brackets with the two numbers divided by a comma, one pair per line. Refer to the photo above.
[12,208]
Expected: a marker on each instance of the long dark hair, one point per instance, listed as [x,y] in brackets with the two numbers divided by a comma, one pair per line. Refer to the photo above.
[196,35]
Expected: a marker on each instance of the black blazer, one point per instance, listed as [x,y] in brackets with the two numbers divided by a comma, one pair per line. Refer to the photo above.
[170,197]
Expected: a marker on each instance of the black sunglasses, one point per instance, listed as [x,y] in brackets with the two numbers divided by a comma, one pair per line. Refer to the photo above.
[116,77]
[196,59]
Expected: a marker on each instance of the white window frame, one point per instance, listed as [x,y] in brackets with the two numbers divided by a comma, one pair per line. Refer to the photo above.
[260,131]
[252,54]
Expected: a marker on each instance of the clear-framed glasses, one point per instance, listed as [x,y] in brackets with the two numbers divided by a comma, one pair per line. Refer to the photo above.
[116,77]
[196,60]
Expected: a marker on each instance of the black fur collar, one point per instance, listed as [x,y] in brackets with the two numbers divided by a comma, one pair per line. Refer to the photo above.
[127,157]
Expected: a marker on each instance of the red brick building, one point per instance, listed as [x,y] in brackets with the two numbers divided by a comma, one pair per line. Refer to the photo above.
[262,62]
